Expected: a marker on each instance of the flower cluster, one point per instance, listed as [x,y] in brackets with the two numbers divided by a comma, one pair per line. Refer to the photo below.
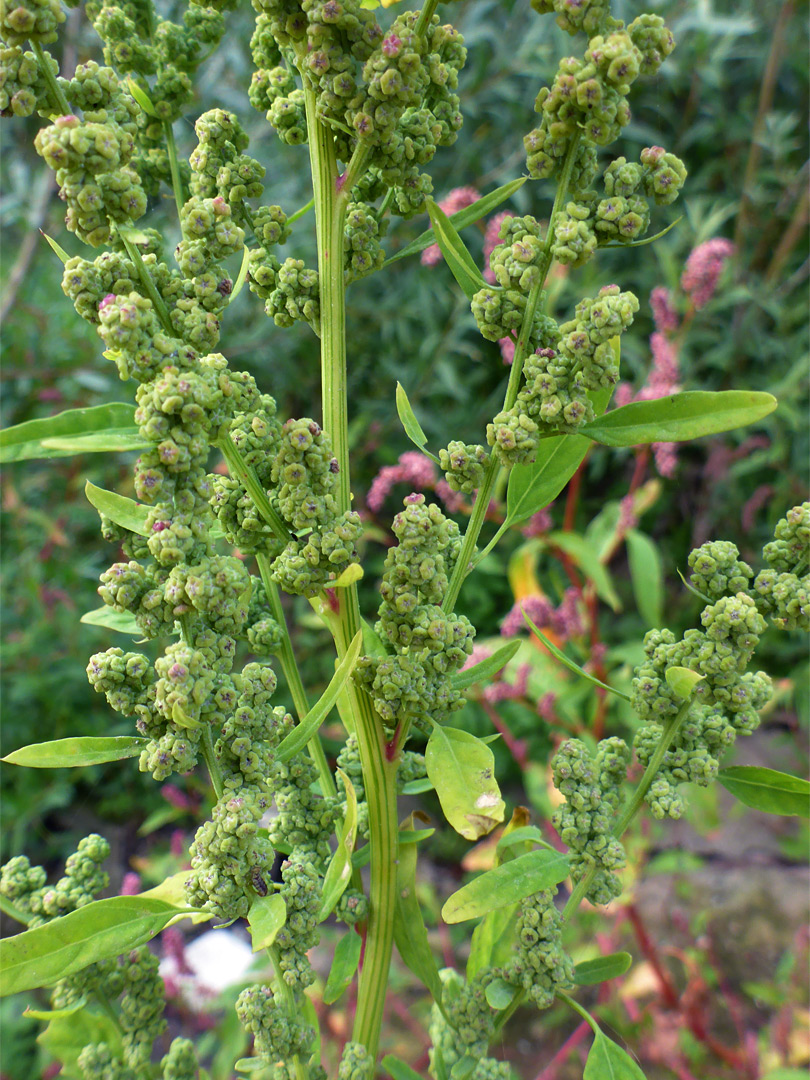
[541,966]
[782,591]
[277,1035]
[559,377]
[463,466]
[413,684]
[306,475]
[591,787]
[23,88]
[728,698]
[588,98]
[25,885]
[465,1027]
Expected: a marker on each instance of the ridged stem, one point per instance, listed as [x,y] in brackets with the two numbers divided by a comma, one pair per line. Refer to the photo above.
[379,769]
[48,76]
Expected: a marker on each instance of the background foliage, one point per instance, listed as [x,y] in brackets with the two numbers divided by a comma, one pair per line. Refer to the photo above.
[732,103]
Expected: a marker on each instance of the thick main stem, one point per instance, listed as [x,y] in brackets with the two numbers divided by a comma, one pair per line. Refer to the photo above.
[379,770]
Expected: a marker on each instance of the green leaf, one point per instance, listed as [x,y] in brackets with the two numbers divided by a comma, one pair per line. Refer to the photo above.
[142,98]
[679,417]
[398,1070]
[339,871]
[345,959]
[98,931]
[694,591]
[525,834]
[118,440]
[83,750]
[506,884]
[303,732]
[25,441]
[410,934]
[461,263]
[266,917]
[417,787]
[486,668]
[588,561]
[647,576]
[69,1031]
[410,424]
[682,681]
[786,1074]
[250,1065]
[602,968]
[468,216]
[607,1061]
[122,621]
[241,277]
[123,511]
[462,770]
[464,1068]
[533,487]
[372,642]
[767,790]
[60,252]
[499,994]
[570,664]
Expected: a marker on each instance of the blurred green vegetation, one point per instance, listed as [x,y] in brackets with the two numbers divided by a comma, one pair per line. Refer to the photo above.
[731,102]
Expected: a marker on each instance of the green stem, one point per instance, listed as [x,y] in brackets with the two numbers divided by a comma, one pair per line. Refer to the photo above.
[206,738]
[379,766]
[48,76]
[464,562]
[210,758]
[161,310]
[174,166]
[288,1001]
[293,676]
[238,468]
[425,15]
[305,209]
[634,803]
[14,912]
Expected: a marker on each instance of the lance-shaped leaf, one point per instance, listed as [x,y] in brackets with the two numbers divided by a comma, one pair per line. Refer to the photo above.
[533,487]
[82,750]
[60,252]
[462,769]
[486,668]
[142,98]
[241,277]
[411,426]
[468,216]
[115,423]
[682,680]
[569,663]
[339,871]
[507,884]
[607,1061]
[345,959]
[410,934]
[602,968]
[768,790]
[70,943]
[303,732]
[680,417]
[647,576]
[461,263]
[118,508]
[266,917]
[578,548]
[69,1031]
[398,1070]
[122,621]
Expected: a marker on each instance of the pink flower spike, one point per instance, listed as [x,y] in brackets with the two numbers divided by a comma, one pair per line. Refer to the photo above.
[703,269]
[665,315]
